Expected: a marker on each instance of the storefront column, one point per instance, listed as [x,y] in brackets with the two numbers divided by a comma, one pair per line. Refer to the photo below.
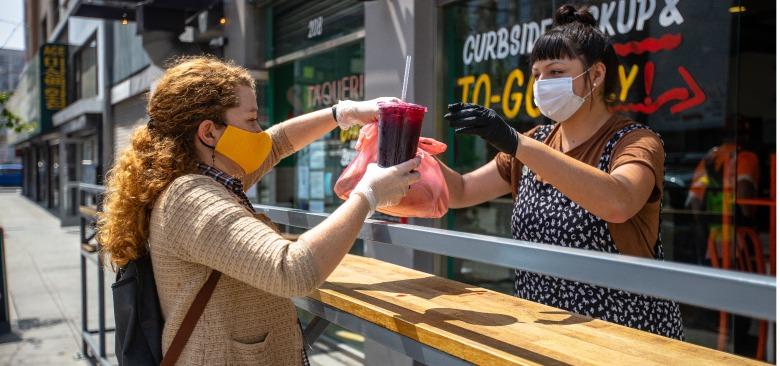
[62,158]
[395,29]
[27,169]
[68,214]
[106,155]
[243,31]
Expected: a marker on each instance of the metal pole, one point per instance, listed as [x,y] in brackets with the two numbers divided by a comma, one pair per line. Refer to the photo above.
[84,323]
[5,317]
[107,123]
[101,306]
[770,343]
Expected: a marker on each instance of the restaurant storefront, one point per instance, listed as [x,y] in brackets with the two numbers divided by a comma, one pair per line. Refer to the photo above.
[710,94]
[42,91]
[317,57]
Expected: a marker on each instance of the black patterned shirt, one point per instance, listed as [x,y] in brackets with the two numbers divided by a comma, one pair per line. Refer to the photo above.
[233,184]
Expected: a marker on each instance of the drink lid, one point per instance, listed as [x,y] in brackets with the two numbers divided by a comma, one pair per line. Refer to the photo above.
[401,105]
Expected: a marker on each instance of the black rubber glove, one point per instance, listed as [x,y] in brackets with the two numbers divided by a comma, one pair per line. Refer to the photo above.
[473,119]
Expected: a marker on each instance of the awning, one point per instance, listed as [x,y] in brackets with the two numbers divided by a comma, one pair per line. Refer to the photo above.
[127,9]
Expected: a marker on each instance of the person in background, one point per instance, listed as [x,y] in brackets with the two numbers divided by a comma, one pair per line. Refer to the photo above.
[593,180]
[729,167]
[728,172]
[723,168]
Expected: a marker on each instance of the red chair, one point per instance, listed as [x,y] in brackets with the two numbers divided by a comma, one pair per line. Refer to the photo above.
[749,257]
[746,260]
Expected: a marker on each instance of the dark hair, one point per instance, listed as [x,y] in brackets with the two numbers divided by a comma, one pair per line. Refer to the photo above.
[576,36]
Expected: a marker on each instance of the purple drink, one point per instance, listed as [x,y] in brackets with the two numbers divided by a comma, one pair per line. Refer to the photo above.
[399,131]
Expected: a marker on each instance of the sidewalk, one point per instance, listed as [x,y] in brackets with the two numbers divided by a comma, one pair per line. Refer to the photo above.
[43,286]
[44,289]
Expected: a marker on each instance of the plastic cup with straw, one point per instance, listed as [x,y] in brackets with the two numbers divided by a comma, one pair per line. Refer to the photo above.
[400,124]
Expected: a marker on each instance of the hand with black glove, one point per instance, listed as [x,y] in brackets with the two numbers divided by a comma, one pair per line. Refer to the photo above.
[474,119]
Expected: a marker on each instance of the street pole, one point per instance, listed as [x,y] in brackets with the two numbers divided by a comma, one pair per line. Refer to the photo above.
[107,125]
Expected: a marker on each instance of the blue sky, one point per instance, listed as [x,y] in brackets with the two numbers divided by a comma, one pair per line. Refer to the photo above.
[12,24]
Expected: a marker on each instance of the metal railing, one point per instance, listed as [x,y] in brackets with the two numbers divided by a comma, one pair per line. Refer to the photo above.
[736,292]
[91,188]
[94,342]
[86,195]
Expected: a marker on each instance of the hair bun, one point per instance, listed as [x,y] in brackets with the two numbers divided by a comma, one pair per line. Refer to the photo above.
[567,14]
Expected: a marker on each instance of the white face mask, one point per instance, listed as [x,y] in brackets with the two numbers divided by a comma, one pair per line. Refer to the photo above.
[556,98]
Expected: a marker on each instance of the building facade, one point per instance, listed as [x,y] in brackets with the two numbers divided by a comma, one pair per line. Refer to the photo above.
[11,65]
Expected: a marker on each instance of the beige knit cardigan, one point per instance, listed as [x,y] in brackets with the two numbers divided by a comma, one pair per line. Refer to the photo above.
[197,225]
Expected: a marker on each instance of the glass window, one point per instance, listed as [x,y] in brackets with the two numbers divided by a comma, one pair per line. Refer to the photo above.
[304,86]
[89,160]
[129,54]
[711,96]
[85,70]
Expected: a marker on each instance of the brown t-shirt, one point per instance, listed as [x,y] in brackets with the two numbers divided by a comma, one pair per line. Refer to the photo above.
[638,235]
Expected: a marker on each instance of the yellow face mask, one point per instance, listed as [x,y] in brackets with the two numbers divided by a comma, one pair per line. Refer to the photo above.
[247,149]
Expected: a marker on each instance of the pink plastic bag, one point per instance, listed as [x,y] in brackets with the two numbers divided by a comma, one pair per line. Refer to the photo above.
[428,198]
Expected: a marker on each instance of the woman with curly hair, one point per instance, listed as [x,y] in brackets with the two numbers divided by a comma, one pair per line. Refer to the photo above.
[177,194]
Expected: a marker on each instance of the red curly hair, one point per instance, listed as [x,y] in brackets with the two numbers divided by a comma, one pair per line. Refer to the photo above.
[193,89]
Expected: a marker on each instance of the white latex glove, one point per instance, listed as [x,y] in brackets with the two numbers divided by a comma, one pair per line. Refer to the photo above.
[383,187]
[350,113]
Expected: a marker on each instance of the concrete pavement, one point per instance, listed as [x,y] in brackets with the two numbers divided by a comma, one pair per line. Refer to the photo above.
[42,260]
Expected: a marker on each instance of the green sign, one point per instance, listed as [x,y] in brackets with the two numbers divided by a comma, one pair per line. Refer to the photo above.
[53,81]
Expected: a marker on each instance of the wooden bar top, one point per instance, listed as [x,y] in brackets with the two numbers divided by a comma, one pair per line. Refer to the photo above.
[488,328]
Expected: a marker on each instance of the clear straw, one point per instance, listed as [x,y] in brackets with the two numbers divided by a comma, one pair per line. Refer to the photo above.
[406,77]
